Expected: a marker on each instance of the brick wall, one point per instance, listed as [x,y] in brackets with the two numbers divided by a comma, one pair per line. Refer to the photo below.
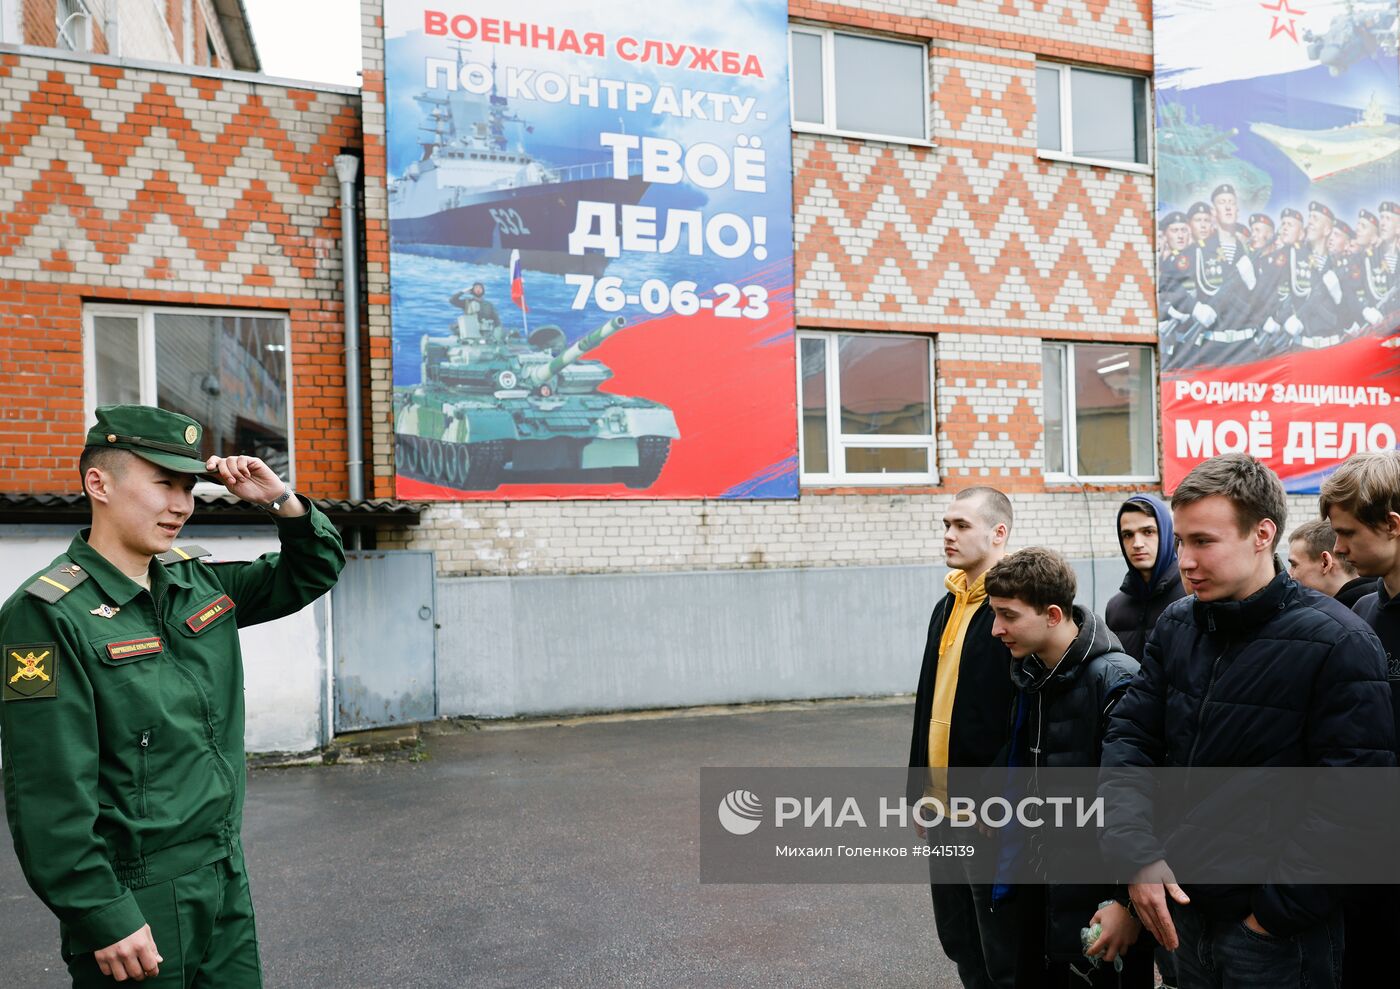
[976,240]
[151,187]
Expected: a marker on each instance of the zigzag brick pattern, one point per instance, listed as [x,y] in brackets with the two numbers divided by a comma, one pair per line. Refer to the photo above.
[151,187]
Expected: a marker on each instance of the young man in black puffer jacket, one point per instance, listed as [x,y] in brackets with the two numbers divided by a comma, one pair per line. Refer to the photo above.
[1069,671]
[1254,670]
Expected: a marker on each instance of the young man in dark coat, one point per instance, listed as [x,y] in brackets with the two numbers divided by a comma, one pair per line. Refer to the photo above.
[1313,561]
[1361,499]
[1069,672]
[1148,545]
[961,717]
[1253,670]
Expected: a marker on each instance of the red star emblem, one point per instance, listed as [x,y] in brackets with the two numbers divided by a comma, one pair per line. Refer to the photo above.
[1284,22]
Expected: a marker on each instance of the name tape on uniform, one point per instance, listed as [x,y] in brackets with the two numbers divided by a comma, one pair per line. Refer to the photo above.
[201,619]
[135,647]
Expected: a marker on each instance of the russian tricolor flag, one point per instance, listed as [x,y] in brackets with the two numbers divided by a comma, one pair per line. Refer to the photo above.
[517,281]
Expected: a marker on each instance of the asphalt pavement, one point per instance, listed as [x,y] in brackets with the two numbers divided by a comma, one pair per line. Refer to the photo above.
[546,855]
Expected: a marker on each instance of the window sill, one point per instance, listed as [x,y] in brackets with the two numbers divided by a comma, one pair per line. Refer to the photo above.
[1121,166]
[912,142]
[1068,479]
[870,481]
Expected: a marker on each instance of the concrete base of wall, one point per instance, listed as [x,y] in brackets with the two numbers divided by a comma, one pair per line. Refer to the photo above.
[555,645]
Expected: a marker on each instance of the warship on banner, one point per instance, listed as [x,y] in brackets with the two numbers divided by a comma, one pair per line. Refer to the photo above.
[473,190]
[1193,158]
[1363,31]
[1320,154]
[495,407]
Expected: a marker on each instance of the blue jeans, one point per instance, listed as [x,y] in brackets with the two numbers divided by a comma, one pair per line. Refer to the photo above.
[1225,954]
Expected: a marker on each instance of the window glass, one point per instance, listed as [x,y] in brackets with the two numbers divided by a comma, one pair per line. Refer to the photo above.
[117,353]
[884,386]
[807,81]
[1113,411]
[886,460]
[1108,110]
[1047,108]
[866,407]
[228,373]
[1053,375]
[879,86]
[815,459]
[71,22]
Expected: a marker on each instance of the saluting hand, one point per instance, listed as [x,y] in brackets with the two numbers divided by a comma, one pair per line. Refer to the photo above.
[133,957]
[252,480]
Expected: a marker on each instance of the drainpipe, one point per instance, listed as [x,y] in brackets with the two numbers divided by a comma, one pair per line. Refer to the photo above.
[346,169]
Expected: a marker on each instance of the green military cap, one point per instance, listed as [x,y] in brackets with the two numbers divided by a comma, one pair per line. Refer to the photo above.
[165,438]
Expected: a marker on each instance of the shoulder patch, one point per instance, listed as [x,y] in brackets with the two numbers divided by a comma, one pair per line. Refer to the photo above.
[31,671]
[179,554]
[57,582]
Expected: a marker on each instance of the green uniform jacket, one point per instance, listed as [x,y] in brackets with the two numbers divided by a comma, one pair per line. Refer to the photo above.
[125,767]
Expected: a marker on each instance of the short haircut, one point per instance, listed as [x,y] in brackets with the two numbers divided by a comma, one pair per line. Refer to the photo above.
[1038,576]
[1319,538]
[995,508]
[112,461]
[1367,486]
[1254,490]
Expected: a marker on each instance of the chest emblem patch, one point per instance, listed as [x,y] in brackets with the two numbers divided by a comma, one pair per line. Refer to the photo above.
[202,618]
[104,611]
[133,648]
[31,670]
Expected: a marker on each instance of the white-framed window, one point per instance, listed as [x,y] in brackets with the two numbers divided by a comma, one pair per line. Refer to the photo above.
[858,85]
[1100,412]
[72,25]
[865,407]
[1091,115]
[228,369]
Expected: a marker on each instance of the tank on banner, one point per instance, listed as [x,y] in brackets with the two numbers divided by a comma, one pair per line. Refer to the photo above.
[1278,231]
[495,407]
[616,185]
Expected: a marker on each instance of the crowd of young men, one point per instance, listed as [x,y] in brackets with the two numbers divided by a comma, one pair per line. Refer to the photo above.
[1212,655]
[1309,281]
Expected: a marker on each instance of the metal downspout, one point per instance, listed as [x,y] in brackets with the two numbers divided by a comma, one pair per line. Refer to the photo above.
[346,169]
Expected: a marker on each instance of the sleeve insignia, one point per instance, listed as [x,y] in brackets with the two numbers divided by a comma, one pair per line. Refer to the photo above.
[31,671]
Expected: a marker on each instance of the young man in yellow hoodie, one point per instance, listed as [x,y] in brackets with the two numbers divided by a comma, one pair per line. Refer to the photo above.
[962,719]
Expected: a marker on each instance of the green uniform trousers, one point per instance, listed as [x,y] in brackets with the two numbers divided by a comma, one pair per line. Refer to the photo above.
[203,927]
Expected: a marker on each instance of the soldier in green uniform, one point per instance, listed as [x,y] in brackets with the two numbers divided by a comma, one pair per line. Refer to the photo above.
[122,712]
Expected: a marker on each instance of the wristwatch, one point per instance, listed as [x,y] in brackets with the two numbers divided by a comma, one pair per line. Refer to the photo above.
[275,505]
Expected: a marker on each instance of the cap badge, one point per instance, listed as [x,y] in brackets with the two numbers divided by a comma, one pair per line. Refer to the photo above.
[191,434]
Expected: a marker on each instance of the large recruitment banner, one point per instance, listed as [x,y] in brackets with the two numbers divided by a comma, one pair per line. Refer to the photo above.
[590,217]
[1278,157]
